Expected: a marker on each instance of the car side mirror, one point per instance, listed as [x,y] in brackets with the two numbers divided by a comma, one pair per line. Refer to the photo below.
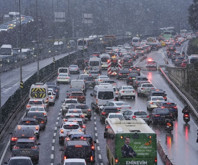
[91,94]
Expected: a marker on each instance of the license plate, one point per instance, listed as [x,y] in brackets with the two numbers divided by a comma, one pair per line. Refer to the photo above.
[25,152]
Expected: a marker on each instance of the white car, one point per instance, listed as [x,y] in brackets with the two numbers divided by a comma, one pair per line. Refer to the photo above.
[67,127]
[101,79]
[74,69]
[38,109]
[74,161]
[66,103]
[35,102]
[115,115]
[145,89]
[154,102]
[63,78]
[121,105]
[126,91]
[52,96]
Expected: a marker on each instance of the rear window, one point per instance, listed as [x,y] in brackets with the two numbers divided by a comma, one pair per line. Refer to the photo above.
[82,107]
[70,101]
[36,102]
[158,94]
[28,122]
[169,105]
[25,144]
[105,95]
[35,115]
[62,70]
[77,94]
[20,162]
[70,126]
[127,88]
[140,113]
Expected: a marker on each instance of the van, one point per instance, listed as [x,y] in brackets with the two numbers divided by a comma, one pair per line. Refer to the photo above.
[101,94]
[78,84]
[63,70]
[6,53]
[95,63]
[104,60]
[135,41]
[39,91]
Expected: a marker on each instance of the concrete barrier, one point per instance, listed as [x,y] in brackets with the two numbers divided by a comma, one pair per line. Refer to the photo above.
[179,92]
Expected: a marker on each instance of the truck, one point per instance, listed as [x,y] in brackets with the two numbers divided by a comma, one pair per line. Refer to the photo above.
[130,142]
[114,66]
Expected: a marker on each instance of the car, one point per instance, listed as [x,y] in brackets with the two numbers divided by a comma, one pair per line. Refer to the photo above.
[94,73]
[101,78]
[35,102]
[74,161]
[23,133]
[144,89]
[105,111]
[78,149]
[20,160]
[89,81]
[141,114]
[65,128]
[158,92]
[30,123]
[63,78]
[128,114]
[71,115]
[52,96]
[172,108]
[85,109]
[75,110]
[121,105]
[139,79]
[131,78]
[87,137]
[115,115]
[27,147]
[55,87]
[40,117]
[83,76]
[134,69]
[38,109]
[74,69]
[126,91]
[159,116]
[154,102]
[122,74]
[66,103]
[79,95]
[80,121]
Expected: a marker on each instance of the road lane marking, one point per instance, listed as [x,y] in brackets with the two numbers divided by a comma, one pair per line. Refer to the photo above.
[96,134]
[98,148]
[97,141]
[100,157]
[52,156]
[52,148]
[53,141]
[95,128]
[55,134]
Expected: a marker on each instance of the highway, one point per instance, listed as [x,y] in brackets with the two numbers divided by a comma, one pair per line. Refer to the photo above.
[180,145]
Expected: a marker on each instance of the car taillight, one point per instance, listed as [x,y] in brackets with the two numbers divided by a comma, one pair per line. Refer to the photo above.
[89,110]
[151,102]
[103,113]
[147,116]
[51,97]
[78,146]
[15,147]
[61,131]
[42,122]
[108,126]
[37,128]
[84,126]
[65,157]
[28,106]
[91,158]
[45,114]
[175,107]
[82,116]
[162,107]
[120,74]
[34,147]
[122,91]
[32,138]
[186,115]
[119,108]
[93,147]
[134,117]
[58,77]
[157,115]
[14,139]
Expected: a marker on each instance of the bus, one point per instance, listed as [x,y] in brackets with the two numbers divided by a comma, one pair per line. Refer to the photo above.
[130,142]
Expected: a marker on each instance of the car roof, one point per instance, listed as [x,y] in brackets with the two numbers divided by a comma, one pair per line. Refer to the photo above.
[20,157]
[25,131]
[25,140]
[77,142]
[75,160]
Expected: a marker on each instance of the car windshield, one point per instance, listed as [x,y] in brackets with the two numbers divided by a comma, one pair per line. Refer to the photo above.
[28,122]
[62,70]
[36,102]
[105,95]
[37,109]
[77,94]
[94,63]
[70,101]
[5,51]
[19,162]
[35,115]
[157,98]
[104,59]
[116,116]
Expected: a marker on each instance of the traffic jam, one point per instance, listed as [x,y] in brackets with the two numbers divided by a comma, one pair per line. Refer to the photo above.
[106,86]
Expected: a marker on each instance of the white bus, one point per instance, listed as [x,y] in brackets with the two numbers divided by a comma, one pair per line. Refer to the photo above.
[130,142]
